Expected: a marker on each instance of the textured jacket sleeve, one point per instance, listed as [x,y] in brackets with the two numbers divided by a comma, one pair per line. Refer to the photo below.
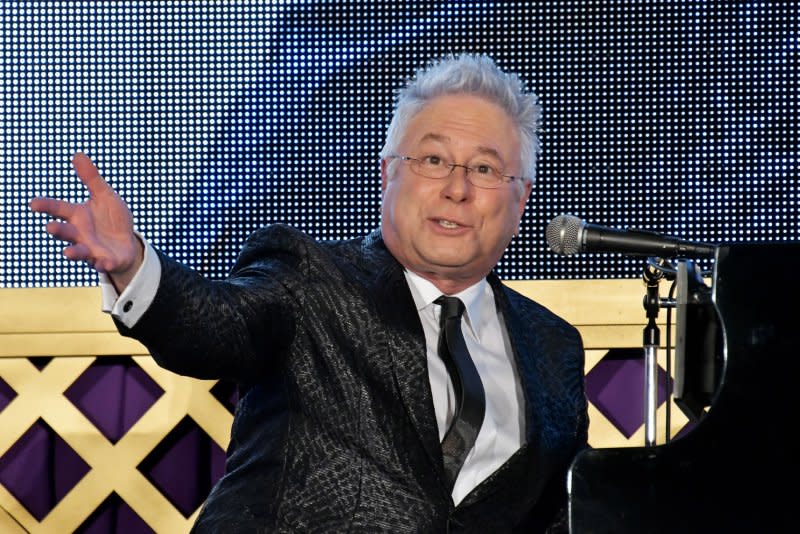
[233,329]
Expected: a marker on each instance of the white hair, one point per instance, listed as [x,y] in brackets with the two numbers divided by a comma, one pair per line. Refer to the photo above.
[473,74]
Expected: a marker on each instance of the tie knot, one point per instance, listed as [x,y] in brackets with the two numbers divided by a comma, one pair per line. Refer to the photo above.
[452,307]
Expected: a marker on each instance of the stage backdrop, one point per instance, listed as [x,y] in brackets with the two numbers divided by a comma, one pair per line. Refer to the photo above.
[214,118]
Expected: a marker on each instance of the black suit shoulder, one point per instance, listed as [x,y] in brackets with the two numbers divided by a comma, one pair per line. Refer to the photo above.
[305,256]
[529,307]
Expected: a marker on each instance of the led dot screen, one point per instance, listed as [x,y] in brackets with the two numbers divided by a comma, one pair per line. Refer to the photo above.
[214,118]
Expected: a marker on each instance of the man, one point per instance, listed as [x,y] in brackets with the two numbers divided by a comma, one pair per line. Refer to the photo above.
[356,413]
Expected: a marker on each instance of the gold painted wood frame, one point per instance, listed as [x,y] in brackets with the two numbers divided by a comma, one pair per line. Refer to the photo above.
[67,324]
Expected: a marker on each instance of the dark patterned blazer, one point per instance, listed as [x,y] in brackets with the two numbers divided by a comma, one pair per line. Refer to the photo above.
[335,430]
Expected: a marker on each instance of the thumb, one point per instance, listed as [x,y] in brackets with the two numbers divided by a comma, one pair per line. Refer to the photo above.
[89,175]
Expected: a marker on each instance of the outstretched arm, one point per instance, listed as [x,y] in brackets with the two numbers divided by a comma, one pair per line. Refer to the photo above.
[99,230]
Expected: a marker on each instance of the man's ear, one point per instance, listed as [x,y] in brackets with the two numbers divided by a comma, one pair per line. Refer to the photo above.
[527,187]
[384,173]
[523,200]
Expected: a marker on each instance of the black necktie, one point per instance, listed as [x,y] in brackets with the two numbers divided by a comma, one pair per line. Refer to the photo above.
[470,397]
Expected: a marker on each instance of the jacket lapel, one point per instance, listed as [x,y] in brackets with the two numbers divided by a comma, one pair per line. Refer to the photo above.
[397,312]
[526,458]
[522,337]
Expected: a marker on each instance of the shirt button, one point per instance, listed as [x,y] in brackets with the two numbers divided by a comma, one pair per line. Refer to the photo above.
[127,307]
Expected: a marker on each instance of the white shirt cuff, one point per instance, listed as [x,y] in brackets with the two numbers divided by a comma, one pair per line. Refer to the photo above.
[129,307]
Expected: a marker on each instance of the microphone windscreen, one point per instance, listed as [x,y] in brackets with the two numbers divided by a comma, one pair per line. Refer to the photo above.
[562,234]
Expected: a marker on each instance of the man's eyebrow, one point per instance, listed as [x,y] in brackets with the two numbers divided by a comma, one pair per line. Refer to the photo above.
[430,136]
[485,150]
[490,152]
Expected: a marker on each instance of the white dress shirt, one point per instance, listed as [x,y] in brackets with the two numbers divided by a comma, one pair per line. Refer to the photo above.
[503,429]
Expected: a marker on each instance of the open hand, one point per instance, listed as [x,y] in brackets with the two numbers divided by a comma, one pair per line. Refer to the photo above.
[99,230]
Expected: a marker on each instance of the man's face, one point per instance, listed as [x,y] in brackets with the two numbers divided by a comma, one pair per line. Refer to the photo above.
[448,230]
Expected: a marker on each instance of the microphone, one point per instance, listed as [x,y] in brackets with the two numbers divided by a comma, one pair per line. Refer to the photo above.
[568,235]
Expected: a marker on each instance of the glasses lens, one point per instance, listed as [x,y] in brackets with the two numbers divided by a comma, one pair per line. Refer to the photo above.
[485,176]
[486,181]
[431,166]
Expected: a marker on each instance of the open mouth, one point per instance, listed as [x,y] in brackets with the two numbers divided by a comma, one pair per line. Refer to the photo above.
[448,224]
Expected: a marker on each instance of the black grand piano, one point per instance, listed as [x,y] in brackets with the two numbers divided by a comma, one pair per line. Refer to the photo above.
[736,470]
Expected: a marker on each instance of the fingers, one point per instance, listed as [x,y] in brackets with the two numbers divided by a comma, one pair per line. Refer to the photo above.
[62,231]
[89,174]
[78,252]
[90,177]
[55,208]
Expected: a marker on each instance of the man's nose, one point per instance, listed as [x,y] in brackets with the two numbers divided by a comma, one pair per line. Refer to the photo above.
[458,186]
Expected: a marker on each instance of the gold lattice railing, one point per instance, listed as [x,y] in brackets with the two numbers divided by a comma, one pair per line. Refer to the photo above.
[66,324]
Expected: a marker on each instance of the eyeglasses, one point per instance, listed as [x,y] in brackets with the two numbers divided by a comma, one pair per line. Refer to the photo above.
[482,175]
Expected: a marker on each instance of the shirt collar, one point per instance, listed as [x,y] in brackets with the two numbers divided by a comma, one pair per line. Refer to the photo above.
[474,298]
